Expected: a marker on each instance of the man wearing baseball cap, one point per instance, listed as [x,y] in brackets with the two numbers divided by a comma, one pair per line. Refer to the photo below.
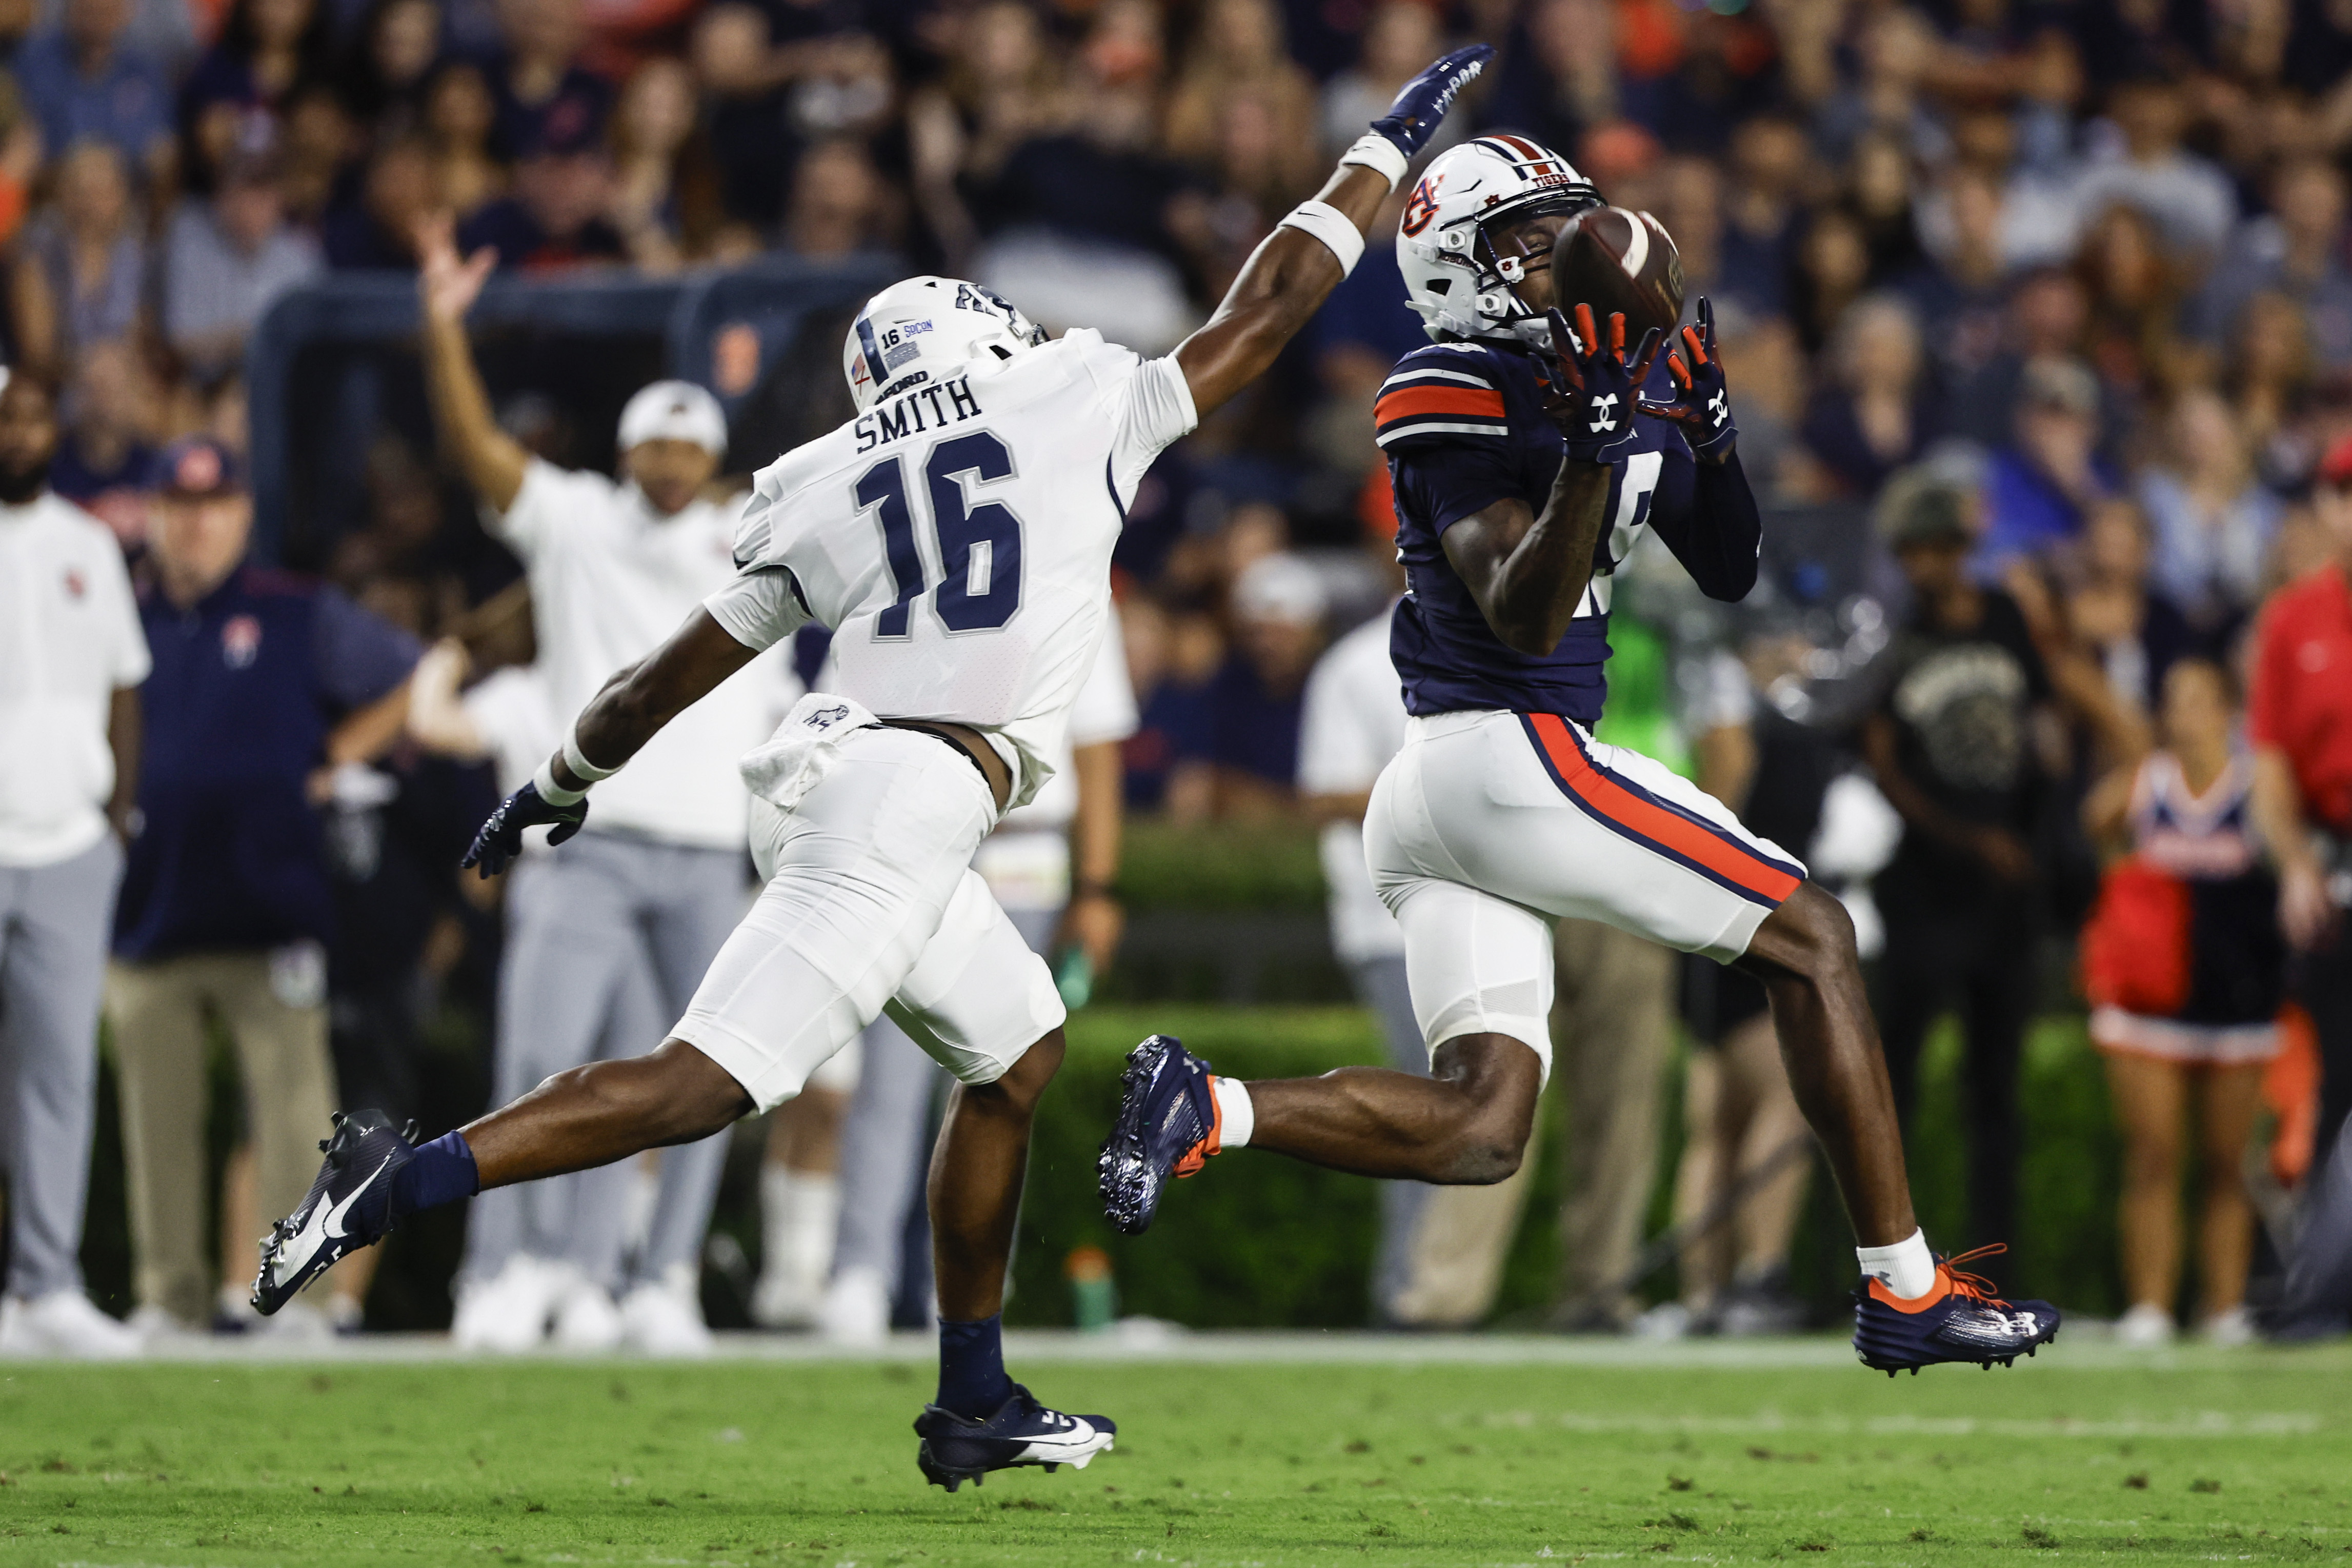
[615,566]
[2299,717]
[260,680]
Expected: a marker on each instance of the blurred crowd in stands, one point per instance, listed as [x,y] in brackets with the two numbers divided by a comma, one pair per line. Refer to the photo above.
[2037,316]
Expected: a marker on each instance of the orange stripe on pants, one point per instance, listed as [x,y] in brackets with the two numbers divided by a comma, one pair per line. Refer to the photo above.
[1653,822]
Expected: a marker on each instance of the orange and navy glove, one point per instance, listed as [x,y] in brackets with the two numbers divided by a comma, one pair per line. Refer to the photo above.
[1594,387]
[1701,404]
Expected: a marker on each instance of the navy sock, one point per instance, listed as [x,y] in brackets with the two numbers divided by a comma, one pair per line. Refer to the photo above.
[972,1366]
[442,1172]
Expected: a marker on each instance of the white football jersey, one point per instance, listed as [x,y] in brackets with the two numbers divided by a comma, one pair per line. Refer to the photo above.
[958,539]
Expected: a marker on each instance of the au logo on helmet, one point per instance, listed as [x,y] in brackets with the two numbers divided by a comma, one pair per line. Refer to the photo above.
[1421,205]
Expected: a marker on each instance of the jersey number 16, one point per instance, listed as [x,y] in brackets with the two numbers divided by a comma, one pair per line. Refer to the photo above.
[979,544]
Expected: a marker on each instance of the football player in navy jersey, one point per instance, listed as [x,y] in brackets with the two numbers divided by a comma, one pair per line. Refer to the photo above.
[1528,455]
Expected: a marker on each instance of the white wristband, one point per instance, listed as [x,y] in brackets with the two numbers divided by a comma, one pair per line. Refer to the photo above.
[582,768]
[1335,228]
[550,791]
[1374,151]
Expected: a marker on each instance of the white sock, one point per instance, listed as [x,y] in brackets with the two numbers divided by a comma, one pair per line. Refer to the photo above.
[1234,1106]
[1907,1268]
[800,1210]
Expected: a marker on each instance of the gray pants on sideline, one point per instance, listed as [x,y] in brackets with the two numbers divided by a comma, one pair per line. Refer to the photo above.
[2318,1298]
[607,937]
[1381,986]
[886,1136]
[55,921]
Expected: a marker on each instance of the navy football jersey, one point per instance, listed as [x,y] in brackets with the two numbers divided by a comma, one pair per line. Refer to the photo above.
[1463,428]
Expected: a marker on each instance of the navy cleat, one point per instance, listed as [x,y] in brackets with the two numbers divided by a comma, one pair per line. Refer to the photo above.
[349,1206]
[960,1448]
[1959,1321]
[1168,1125]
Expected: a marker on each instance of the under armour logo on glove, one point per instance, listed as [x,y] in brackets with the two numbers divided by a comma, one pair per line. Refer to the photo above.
[1702,406]
[1594,385]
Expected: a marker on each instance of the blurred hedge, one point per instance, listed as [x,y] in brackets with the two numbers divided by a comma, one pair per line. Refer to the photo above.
[1261,1240]
[1221,868]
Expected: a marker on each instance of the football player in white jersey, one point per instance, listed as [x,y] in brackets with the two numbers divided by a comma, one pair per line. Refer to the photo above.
[956,537]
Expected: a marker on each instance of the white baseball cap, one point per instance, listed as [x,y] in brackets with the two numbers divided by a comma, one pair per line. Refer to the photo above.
[674,411]
[1281,587]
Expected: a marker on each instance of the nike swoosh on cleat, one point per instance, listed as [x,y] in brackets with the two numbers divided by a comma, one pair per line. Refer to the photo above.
[1055,1446]
[334,1225]
[329,1227]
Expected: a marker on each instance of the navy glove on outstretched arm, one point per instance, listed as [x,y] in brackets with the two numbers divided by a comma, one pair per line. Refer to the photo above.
[500,839]
[1594,386]
[1702,404]
[1421,106]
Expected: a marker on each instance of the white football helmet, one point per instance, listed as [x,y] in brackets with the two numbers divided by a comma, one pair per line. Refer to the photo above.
[1453,275]
[921,329]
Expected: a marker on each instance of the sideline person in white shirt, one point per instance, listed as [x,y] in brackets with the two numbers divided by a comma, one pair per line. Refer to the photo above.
[1050,864]
[72,656]
[1352,722]
[559,1243]
[614,565]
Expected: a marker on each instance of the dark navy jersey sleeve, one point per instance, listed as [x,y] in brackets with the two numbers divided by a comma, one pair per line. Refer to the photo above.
[1707,514]
[1442,418]
[1443,485]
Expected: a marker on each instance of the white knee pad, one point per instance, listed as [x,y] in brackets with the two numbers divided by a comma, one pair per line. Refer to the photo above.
[1477,965]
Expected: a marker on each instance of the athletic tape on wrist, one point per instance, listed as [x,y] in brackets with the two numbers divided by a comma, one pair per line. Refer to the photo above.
[1327,224]
[550,791]
[582,768]
[1376,152]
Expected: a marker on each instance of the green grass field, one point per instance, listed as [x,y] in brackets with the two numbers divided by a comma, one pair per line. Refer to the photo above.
[1732,1459]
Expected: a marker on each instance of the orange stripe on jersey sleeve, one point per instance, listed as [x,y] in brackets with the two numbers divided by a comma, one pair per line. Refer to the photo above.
[1414,402]
[1679,834]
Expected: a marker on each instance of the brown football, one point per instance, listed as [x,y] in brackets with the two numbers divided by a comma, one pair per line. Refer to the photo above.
[1612,259]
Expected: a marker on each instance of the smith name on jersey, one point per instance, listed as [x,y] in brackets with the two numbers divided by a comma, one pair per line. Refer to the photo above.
[1464,426]
[957,538]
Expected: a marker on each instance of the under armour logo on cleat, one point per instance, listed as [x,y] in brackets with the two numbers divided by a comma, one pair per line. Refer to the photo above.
[1603,418]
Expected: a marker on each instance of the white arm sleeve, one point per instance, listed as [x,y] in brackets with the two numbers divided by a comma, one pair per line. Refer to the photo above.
[1158,413]
[760,608]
